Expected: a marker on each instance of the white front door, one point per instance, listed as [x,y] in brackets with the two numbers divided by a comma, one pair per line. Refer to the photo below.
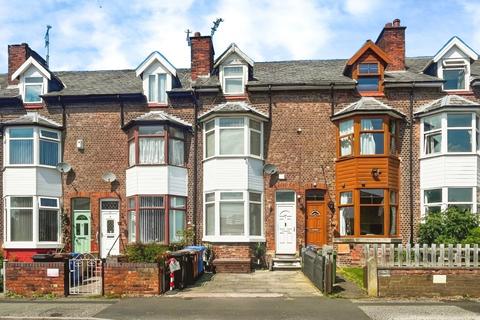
[286,240]
[110,230]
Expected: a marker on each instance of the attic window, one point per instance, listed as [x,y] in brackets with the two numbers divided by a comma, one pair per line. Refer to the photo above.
[157,88]
[454,78]
[368,77]
[33,88]
[233,80]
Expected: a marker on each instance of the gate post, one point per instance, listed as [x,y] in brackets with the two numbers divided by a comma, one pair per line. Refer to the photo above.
[372,277]
[102,263]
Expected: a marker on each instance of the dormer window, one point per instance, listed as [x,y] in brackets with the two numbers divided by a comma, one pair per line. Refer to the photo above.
[454,78]
[233,80]
[368,77]
[33,88]
[157,88]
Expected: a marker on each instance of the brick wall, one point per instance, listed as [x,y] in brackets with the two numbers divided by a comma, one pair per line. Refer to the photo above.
[132,279]
[30,279]
[419,282]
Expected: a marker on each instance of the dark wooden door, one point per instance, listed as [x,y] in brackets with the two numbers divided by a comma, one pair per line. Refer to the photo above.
[316,220]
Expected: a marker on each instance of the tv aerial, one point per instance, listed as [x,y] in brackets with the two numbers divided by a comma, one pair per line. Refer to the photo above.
[109,177]
[270,169]
[63,167]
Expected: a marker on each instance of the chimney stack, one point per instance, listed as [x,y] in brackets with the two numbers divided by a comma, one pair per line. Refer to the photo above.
[201,55]
[17,55]
[392,41]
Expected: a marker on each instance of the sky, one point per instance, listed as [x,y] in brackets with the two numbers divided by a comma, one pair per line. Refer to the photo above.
[119,34]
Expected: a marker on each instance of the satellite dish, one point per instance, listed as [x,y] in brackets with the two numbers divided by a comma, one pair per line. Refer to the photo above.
[64,167]
[109,177]
[270,169]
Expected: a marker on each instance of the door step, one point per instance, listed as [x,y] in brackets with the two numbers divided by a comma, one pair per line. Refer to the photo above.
[286,262]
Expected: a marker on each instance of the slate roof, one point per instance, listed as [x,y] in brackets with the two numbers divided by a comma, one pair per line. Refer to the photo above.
[33,118]
[234,107]
[367,105]
[446,101]
[159,116]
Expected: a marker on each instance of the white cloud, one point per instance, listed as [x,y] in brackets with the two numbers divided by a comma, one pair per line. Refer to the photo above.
[361,7]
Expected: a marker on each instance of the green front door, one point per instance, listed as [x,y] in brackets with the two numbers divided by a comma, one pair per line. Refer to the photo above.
[81,232]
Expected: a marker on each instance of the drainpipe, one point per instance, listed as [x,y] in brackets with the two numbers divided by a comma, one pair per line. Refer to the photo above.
[62,151]
[122,114]
[195,164]
[332,99]
[410,160]
[270,102]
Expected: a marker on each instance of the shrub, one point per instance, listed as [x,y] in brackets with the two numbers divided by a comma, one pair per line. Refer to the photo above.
[150,252]
[473,237]
[449,227]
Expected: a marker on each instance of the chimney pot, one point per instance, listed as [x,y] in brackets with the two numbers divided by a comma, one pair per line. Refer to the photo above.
[388,25]
[396,23]
[197,34]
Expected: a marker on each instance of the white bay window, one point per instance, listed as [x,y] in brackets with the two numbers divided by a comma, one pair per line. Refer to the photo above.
[440,199]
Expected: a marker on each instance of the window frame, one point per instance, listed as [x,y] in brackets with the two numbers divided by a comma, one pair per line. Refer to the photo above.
[444,204]
[25,85]
[36,138]
[461,67]
[369,75]
[172,208]
[156,99]
[241,77]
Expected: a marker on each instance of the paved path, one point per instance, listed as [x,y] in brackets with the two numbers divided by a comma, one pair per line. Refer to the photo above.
[262,284]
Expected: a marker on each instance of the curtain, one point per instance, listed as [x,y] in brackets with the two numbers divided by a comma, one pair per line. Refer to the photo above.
[346,127]
[345,146]
[367,143]
[210,219]
[231,218]
[21,224]
[132,227]
[152,84]
[210,144]
[255,219]
[48,153]
[176,151]
[231,141]
[151,150]
[131,153]
[346,221]
[21,151]
[162,89]
[48,225]
[152,225]
[393,220]
[177,224]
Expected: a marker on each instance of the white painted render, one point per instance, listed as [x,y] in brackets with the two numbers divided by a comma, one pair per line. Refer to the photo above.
[449,171]
[154,180]
[31,181]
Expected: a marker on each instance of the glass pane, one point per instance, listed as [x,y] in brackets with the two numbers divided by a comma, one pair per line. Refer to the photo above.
[151,202]
[176,132]
[433,143]
[210,219]
[371,220]
[432,123]
[454,79]
[459,140]
[461,207]
[346,127]
[234,85]
[347,221]
[346,197]
[233,71]
[131,203]
[231,141]
[231,122]
[210,144]
[21,202]
[176,149]
[152,225]
[151,130]
[21,225]
[49,134]
[253,196]
[346,146]
[255,143]
[21,133]
[459,120]
[371,196]
[47,202]
[210,125]
[177,202]
[48,152]
[132,227]
[86,231]
[109,205]
[209,197]
[177,225]
[21,151]
[78,229]
[315,195]
[33,92]
[371,124]
[255,219]
[393,127]
[131,153]
[33,80]
[433,196]
[231,196]
[48,225]
[460,195]
[162,87]
[367,84]
[231,218]
[81,204]
[110,226]
[152,85]
[256,125]
[393,220]
[371,143]
[151,150]
[368,68]
[285,196]
[432,209]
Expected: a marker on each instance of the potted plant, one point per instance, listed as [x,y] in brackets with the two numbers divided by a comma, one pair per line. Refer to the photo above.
[259,254]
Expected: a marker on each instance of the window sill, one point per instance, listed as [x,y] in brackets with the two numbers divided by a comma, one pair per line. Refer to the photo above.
[345,158]
[156,165]
[33,105]
[459,92]
[235,96]
[32,245]
[28,166]
[157,105]
[233,239]
[378,239]
[232,157]
[371,93]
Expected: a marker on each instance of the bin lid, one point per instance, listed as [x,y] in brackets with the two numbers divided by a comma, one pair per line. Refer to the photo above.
[199,248]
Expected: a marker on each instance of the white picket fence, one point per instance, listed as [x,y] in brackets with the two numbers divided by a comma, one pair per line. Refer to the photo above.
[407,256]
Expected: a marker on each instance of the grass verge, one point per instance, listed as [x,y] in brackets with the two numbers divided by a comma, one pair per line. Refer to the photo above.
[353,274]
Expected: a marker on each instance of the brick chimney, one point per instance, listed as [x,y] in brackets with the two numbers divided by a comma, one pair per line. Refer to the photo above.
[17,55]
[392,41]
[201,55]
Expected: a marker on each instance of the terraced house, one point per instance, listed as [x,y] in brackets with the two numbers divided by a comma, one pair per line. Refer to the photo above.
[342,152]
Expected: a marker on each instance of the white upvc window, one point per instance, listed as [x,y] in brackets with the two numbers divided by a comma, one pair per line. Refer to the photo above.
[32,89]
[157,88]
[32,146]
[233,215]
[32,222]
[450,132]
[233,136]
[233,79]
[455,74]
[441,198]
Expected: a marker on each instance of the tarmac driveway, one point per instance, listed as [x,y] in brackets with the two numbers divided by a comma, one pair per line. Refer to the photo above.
[261,284]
